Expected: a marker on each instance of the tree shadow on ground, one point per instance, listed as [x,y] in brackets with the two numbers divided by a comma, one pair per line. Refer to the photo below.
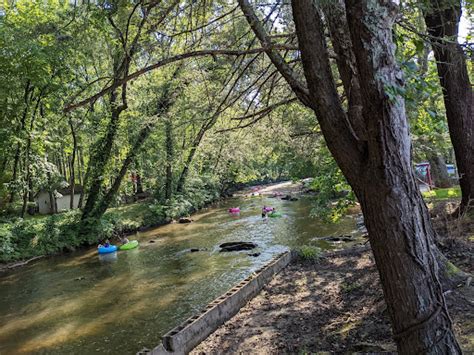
[334,305]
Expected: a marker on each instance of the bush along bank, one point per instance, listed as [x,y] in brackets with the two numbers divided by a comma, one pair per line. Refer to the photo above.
[22,239]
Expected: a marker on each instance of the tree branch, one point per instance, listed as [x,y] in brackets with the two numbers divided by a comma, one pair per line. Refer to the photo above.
[286,71]
[266,110]
[161,63]
[259,115]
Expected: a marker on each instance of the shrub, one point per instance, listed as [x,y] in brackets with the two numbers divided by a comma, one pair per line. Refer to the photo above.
[7,249]
[199,192]
[309,252]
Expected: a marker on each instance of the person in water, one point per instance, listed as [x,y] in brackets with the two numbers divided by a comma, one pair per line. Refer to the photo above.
[264,212]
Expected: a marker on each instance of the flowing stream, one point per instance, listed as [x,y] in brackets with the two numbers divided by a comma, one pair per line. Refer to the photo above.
[120,303]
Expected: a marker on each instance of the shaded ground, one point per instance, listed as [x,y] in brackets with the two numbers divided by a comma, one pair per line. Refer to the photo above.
[333,305]
[455,236]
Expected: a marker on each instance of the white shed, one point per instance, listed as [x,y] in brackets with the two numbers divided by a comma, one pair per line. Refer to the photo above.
[62,199]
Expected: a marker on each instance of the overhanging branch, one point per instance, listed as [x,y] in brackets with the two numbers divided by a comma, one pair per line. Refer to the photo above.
[176,58]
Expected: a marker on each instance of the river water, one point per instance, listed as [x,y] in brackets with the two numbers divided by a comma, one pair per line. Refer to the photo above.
[81,303]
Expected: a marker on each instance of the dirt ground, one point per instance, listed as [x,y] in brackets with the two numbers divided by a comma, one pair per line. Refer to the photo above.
[455,237]
[335,305]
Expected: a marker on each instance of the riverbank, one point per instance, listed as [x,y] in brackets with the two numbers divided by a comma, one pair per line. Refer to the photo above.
[25,240]
[85,303]
[335,304]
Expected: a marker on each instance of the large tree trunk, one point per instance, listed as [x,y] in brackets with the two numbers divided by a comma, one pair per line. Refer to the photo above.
[378,167]
[396,217]
[442,20]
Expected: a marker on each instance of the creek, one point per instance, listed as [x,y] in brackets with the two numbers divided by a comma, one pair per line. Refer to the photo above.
[120,303]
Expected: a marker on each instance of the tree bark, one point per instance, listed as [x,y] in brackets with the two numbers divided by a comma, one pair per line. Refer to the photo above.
[64,162]
[28,193]
[72,180]
[112,192]
[165,101]
[169,158]
[442,20]
[27,95]
[379,167]
[335,14]
[439,171]
[100,157]
[80,166]
[82,176]
[196,142]
[52,199]
[84,184]
[139,184]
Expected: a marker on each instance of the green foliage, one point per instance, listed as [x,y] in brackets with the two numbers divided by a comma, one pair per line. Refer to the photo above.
[26,238]
[209,128]
[309,252]
[348,288]
[333,193]
[198,193]
[439,194]
[7,248]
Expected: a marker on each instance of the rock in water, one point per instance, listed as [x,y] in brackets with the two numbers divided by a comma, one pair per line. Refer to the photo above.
[236,246]
[185,220]
[341,238]
[254,254]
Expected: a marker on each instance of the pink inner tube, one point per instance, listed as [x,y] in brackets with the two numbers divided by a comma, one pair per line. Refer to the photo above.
[268,209]
[234,210]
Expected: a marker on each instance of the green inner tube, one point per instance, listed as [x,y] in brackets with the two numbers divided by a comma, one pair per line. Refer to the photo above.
[130,245]
[274,214]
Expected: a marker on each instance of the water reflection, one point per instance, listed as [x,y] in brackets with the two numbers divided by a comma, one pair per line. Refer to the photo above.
[120,302]
[108,258]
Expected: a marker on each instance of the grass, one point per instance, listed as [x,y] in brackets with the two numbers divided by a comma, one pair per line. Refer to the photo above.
[441,194]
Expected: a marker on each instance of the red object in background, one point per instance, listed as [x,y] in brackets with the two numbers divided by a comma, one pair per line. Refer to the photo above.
[423,171]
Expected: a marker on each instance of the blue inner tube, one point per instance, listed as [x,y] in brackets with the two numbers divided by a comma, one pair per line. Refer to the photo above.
[106,250]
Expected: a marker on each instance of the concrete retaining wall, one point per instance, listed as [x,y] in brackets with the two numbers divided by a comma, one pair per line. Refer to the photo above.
[183,338]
